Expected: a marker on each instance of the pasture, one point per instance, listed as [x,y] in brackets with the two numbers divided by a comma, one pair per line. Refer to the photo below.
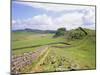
[79,54]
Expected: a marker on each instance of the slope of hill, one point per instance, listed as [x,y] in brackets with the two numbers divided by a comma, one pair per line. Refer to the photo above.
[59,56]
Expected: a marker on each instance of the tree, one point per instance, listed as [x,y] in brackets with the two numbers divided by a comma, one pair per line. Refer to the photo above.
[60,32]
[76,34]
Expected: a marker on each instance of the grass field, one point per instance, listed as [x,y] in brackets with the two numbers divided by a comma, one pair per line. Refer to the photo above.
[79,55]
[26,39]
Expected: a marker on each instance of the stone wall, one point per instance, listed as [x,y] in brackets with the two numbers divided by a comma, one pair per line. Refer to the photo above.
[19,62]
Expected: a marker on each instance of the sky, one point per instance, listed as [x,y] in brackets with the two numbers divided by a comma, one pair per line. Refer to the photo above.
[46,16]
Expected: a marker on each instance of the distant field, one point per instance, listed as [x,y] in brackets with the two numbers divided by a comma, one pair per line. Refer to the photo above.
[79,55]
[25,39]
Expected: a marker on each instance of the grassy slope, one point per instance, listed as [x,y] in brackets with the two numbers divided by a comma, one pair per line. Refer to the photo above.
[80,55]
[75,57]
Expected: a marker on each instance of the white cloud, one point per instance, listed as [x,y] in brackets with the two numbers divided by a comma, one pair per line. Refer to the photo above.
[90,16]
[13,21]
[37,22]
[43,19]
[69,20]
[45,22]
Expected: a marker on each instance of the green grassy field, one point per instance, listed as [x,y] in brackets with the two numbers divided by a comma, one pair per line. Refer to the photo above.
[26,39]
[79,55]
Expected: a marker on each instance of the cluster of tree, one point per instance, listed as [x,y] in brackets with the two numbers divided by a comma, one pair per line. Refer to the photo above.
[71,34]
[74,35]
[60,32]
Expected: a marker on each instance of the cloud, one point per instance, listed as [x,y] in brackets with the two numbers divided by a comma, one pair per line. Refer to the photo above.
[70,20]
[37,22]
[71,17]
[89,18]
[45,22]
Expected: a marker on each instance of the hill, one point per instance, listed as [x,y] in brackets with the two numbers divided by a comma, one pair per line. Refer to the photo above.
[34,30]
[67,51]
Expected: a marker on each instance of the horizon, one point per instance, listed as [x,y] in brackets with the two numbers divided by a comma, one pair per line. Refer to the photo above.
[49,30]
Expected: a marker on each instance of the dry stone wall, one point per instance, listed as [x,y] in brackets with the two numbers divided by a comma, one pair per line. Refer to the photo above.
[19,62]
